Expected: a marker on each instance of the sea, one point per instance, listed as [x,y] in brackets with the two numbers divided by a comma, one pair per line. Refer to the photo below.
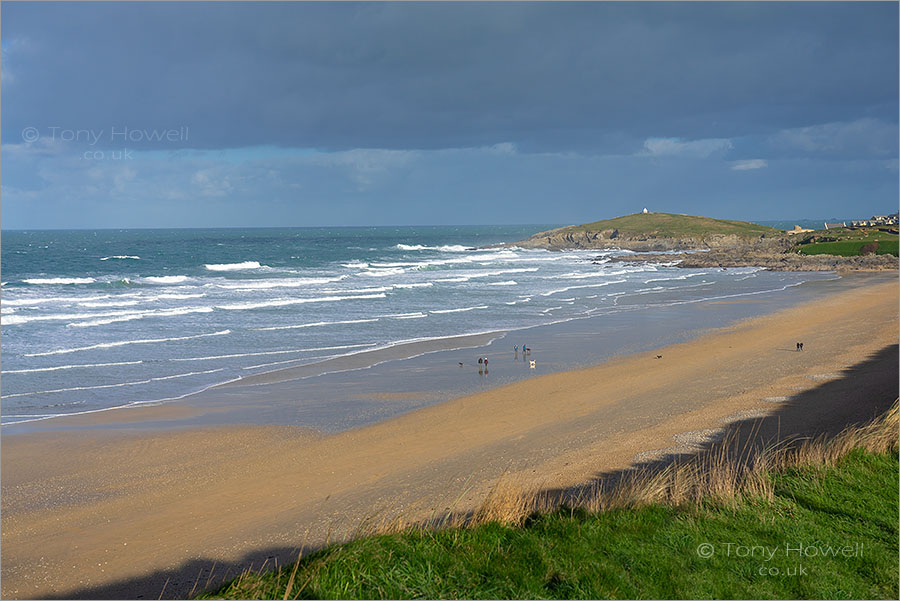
[98,319]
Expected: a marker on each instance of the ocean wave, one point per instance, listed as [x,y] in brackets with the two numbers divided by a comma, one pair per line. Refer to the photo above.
[453,248]
[142,315]
[119,303]
[461,310]
[20,319]
[416,285]
[166,279]
[75,366]
[567,288]
[296,301]
[679,277]
[269,284]
[316,324]
[53,299]
[309,360]
[234,266]
[380,273]
[506,283]
[119,385]
[59,281]
[284,352]
[356,290]
[106,345]
[121,257]
[174,296]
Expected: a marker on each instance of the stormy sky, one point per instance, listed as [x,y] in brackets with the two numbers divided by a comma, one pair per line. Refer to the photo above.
[256,114]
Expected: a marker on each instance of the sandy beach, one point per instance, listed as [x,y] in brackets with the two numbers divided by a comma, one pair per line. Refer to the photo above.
[120,513]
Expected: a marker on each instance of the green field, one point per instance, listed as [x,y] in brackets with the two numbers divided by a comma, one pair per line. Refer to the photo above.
[826,532]
[849,248]
[847,242]
[668,225]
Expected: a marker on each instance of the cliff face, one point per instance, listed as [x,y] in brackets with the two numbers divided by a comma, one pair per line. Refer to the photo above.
[563,238]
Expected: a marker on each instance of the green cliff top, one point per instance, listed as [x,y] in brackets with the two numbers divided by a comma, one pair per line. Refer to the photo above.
[669,225]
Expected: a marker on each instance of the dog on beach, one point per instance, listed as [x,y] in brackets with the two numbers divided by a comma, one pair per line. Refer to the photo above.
[531,364]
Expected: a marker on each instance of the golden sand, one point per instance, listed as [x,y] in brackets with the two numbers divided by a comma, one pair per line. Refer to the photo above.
[113,513]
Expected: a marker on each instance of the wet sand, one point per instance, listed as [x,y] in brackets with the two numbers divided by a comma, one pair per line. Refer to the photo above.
[122,514]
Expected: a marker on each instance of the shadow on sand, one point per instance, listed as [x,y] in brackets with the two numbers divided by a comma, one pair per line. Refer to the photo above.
[860,393]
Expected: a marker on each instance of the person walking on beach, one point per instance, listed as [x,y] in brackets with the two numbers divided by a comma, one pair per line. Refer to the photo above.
[801,346]
[798,346]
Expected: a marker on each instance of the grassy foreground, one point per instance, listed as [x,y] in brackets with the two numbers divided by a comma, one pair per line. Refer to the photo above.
[815,521]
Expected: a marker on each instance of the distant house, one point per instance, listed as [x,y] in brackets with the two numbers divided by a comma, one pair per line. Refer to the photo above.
[876,220]
[645,210]
[831,226]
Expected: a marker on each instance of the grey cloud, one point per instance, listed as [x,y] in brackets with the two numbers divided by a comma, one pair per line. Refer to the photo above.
[585,77]
[862,137]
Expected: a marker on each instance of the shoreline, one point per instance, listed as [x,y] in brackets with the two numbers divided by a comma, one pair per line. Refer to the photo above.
[174,502]
[240,394]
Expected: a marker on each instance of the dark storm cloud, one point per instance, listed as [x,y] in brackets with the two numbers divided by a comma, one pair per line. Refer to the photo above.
[584,77]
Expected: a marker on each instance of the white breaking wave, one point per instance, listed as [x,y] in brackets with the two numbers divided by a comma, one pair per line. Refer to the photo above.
[567,288]
[269,284]
[680,277]
[380,273]
[20,319]
[310,360]
[147,381]
[452,248]
[53,299]
[356,290]
[257,354]
[167,279]
[419,285]
[233,266]
[60,281]
[175,296]
[59,367]
[316,324]
[296,301]
[506,283]
[132,317]
[106,345]
[463,309]
[121,257]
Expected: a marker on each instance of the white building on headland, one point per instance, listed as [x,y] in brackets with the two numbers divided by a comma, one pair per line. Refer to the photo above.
[876,220]
[645,210]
